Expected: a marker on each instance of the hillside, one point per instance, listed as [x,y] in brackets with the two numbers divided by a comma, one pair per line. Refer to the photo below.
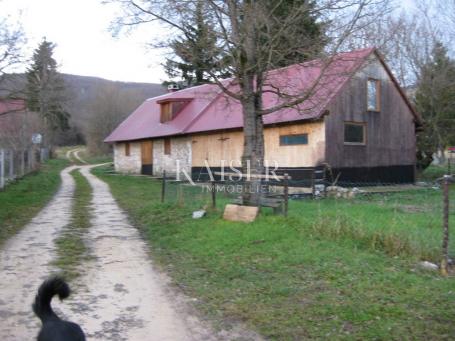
[82,89]
[90,98]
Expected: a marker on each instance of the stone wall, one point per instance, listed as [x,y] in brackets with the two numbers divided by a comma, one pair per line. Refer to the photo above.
[127,164]
[180,150]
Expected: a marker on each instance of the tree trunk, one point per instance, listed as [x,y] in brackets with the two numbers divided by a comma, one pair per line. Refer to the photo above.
[253,147]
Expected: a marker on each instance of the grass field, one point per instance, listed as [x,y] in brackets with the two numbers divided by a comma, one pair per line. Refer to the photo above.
[22,200]
[71,249]
[433,172]
[334,269]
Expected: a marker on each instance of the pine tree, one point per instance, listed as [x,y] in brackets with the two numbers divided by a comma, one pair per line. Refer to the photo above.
[299,15]
[197,55]
[45,90]
[435,101]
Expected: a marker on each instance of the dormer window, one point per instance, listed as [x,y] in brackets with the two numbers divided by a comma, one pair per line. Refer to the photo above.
[373,94]
[166,112]
[171,107]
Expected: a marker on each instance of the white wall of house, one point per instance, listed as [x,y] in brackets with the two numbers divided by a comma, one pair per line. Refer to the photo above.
[127,164]
[180,150]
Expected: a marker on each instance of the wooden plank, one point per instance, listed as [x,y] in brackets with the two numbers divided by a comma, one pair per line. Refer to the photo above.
[228,146]
[265,202]
[147,152]
[245,214]
[255,176]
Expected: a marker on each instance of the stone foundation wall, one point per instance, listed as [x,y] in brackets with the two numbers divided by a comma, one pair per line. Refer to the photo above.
[127,164]
[180,150]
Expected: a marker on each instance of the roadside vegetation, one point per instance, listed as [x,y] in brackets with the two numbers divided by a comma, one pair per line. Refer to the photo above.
[433,172]
[93,159]
[71,247]
[22,200]
[334,269]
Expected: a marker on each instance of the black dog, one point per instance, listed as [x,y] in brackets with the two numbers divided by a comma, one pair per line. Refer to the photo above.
[54,328]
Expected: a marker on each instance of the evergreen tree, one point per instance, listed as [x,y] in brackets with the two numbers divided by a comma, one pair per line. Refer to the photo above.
[299,15]
[45,90]
[435,100]
[197,54]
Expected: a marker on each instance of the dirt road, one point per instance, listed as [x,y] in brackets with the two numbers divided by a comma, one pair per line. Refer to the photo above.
[24,263]
[121,295]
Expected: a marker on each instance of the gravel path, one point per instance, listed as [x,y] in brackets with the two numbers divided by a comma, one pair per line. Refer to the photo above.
[121,295]
[24,263]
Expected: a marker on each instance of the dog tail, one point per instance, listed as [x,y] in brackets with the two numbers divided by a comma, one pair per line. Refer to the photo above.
[51,287]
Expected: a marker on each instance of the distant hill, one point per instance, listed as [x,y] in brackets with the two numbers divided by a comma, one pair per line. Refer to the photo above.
[83,88]
[84,91]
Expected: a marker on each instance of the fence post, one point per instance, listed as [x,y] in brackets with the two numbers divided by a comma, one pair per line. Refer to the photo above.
[30,160]
[11,164]
[163,187]
[2,168]
[286,193]
[22,163]
[180,200]
[445,225]
[213,189]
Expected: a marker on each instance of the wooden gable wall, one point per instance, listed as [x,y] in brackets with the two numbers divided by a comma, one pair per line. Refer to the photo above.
[390,133]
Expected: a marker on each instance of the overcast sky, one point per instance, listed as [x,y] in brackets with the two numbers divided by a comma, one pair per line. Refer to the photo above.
[84,44]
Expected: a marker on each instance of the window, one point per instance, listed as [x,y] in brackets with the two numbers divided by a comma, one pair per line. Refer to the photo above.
[127,149]
[290,140]
[373,94]
[166,112]
[354,133]
[171,107]
[167,146]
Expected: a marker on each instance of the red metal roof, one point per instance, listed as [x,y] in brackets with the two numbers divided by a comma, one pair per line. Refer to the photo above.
[210,109]
[11,105]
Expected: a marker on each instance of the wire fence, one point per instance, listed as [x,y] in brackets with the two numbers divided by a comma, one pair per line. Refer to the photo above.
[399,219]
[15,164]
[396,218]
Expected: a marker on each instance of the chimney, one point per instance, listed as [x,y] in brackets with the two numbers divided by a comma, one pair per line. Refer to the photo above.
[172,87]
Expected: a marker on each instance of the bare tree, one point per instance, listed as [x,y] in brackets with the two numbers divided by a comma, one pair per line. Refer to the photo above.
[12,39]
[17,128]
[251,33]
[108,108]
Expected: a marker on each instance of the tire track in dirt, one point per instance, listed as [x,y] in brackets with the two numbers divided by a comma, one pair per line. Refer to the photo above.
[122,296]
[24,263]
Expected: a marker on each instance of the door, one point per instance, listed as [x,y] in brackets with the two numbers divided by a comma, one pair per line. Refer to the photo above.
[147,157]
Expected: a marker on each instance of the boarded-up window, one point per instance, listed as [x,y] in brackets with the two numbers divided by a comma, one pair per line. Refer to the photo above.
[166,112]
[167,146]
[373,94]
[127,149]
[290,140]
[354,133]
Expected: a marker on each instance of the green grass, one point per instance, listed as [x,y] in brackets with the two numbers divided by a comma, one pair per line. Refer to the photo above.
[71,248]
[332,270]
[96,159]
[432,173]
[22,200]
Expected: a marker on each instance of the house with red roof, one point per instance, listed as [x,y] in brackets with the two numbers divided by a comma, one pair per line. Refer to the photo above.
[356,122]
